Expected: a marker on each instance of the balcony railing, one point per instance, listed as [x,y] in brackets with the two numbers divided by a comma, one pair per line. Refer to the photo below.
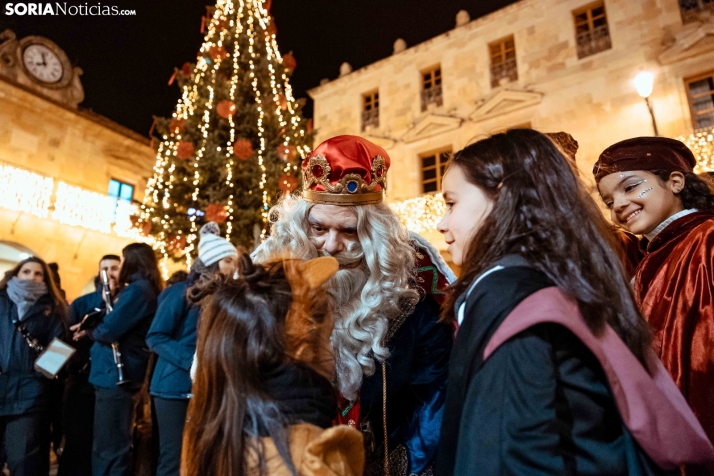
[431,96]
[694,10]
[370,118]
[506,69]
[593,41]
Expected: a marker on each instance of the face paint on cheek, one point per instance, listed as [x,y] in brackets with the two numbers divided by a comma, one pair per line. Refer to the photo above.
[642,194]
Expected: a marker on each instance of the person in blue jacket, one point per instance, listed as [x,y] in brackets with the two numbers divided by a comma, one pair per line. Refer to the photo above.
[127,325]
[29,296]
[173,338]
[78,405]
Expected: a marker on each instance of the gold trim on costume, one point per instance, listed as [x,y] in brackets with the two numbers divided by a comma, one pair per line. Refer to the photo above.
[328,198]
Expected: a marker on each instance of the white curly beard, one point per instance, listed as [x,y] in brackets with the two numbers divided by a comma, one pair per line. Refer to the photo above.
[366,294]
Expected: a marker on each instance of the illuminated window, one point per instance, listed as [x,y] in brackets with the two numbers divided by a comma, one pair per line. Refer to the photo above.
[592,34]
[433,166]
[431,87]
[700,91]
[120,191]
[503,60]
[370,109]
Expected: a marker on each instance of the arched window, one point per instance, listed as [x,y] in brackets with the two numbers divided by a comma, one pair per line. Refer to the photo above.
[12,253]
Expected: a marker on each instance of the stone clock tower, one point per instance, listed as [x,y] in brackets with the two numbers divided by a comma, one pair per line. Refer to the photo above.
[41,66]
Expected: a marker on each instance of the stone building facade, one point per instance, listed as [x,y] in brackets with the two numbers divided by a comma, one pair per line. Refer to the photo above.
[62,169]
[553,65]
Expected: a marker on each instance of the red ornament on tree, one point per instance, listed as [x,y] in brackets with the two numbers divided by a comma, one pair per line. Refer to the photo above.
[289,62]
[287,153]
[272,28]
[267,4]
[216,52]
[287,183]
[226,108]
[176,243]
[216,212]
[184,149]
[143,226]
[186,69]
[243,149]
[176,126]
[283,101]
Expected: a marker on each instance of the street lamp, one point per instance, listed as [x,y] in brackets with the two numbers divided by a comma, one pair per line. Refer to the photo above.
[643,84]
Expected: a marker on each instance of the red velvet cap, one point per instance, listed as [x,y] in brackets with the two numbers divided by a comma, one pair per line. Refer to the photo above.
[345,170]
[645,153]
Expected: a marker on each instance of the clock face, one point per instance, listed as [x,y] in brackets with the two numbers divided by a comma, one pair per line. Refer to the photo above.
[42,63]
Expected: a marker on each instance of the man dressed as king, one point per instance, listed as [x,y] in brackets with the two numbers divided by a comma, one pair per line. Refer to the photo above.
[391,351]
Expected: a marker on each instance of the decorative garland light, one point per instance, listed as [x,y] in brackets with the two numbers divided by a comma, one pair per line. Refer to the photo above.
[24,191]
[76,206]
[28,192]
[422,213]
[701,143]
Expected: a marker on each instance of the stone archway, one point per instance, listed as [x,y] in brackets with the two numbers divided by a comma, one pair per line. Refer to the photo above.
[12,253]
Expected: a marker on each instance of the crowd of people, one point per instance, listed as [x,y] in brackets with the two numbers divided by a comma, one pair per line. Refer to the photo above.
[344,344]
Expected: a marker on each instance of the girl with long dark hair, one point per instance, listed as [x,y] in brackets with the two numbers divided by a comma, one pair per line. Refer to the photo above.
[551,371]
[650,188]
[124,330]
[173,338]
[263,400]
[30,303]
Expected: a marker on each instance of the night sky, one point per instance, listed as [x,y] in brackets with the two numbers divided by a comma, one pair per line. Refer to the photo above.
[127,61]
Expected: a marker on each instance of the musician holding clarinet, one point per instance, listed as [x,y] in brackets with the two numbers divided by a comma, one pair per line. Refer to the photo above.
[78,405]
[120,356]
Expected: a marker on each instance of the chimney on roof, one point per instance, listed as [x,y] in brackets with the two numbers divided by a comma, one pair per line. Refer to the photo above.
[345,69]
[399,46]
[462,18]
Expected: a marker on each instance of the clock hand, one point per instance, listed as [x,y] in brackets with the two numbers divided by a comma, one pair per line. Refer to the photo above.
[44,61]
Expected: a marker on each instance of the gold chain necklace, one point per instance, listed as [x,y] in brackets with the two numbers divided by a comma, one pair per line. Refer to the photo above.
[384,418]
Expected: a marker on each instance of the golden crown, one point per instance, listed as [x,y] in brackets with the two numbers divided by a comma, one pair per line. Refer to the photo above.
[349,190]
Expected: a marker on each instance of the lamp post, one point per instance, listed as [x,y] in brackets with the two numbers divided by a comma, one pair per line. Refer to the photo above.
[643,84]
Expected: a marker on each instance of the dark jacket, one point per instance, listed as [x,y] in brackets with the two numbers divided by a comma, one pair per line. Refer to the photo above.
[127,324]
[80,307]
[173,338]
[22,389]
[416,389]
[541,403]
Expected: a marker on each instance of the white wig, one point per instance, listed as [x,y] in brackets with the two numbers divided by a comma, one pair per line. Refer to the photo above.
[388,266]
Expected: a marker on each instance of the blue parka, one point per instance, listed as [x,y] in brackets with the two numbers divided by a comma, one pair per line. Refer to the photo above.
[22,389]
[173,338]
[127,324]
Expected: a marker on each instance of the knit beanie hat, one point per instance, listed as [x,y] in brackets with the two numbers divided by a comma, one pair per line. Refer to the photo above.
[211,247]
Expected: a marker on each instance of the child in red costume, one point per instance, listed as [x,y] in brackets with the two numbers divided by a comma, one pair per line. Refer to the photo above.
[649,187]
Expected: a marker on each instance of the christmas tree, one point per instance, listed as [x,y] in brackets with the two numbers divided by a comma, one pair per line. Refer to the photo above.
[236,138]
[701,143]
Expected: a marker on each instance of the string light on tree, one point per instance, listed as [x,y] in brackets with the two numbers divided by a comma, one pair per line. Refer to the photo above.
[422,213]
[701,143]
[238,113]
